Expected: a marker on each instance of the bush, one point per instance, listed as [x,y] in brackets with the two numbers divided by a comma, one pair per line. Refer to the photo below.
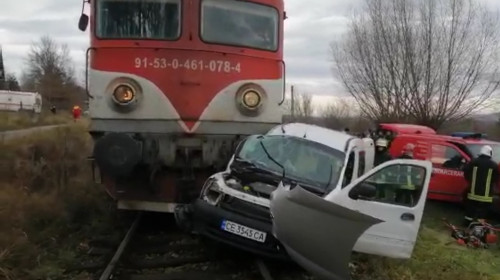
[20,120]
[48,202]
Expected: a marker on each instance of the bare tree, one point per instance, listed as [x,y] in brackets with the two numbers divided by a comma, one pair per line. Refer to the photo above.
[340,109]
[286,107]
[428,61]
[340,114]
[49,70]
[11,83]
[303,107]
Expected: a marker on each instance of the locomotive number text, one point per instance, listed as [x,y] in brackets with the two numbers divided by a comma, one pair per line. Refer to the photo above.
[222,66]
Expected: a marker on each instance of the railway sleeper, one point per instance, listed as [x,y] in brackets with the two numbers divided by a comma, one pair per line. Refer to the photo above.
[100,251]
[141,263]
[163,248]
[88,266]
[189,275]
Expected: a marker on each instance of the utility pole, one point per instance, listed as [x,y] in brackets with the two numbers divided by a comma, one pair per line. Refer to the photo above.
[2,70]
[292,102]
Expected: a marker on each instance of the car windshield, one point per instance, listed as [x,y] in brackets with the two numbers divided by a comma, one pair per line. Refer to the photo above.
[304,160]
[239,23]
[132,19]
[475,149]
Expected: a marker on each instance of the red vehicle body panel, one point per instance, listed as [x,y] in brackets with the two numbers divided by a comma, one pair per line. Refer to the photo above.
[447,184]
[197,82]
[407,128]
[193,101]
[190,91]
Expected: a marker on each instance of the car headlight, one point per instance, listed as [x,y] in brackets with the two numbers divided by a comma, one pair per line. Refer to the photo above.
[211,192]
[123,94]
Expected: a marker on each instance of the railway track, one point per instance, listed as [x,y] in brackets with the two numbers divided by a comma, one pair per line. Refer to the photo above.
[151,252]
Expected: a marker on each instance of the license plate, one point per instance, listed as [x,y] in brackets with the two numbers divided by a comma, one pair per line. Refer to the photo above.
[243,231]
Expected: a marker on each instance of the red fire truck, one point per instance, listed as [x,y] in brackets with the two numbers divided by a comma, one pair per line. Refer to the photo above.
[173,86]
[448,155]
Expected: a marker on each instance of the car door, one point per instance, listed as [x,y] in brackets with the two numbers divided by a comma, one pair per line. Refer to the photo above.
[320,233]
[447,183]
[396,236]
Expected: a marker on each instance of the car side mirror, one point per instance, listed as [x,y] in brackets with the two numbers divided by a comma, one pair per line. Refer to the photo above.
[83,22]
[363,190]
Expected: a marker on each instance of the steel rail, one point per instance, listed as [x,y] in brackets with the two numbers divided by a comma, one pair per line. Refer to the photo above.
[109,269]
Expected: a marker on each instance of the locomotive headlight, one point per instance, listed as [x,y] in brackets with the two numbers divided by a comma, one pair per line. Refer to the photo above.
[123,94]
[251,99]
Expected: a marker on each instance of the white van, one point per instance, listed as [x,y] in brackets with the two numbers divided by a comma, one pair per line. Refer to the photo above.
[20,101]
[302,188]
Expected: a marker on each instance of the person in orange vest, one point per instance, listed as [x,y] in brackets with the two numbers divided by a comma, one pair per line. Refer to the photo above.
[76,112]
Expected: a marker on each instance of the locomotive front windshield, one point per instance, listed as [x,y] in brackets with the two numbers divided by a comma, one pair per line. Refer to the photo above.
[239,23]
[132,19]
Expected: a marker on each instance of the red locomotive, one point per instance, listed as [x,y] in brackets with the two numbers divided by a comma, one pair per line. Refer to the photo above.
[173,85]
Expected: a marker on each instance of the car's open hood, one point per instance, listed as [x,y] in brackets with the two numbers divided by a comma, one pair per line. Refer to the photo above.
[319,235]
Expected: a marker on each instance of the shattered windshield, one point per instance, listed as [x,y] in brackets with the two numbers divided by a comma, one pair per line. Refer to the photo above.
[304,161]
[475,149]
[130,19]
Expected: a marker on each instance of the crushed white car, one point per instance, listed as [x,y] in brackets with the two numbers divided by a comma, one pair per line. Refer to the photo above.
[308,193]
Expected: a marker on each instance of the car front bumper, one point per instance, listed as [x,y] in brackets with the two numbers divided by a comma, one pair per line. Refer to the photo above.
[207,220]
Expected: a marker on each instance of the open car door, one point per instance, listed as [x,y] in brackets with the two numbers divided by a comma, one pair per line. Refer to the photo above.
[378,213]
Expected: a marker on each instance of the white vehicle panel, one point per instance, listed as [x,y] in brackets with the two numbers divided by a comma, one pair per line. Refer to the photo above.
[156,106]
[345,223]
[395,237]
[20,100]
[369,154]
[328,137]
[222,187]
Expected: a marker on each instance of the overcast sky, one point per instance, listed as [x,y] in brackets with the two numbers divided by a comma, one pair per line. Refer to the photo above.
[311,26]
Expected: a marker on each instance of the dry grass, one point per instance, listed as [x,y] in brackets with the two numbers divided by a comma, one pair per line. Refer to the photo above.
[436,255]
[20,120]
[47,203]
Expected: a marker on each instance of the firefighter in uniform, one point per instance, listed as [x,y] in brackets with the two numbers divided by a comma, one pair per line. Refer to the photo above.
[381,153]
[482,175]
[407,177]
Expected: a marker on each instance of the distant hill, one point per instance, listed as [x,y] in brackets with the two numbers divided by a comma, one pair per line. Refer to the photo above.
[487,118]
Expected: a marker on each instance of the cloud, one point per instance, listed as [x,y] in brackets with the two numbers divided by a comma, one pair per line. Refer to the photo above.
[310,28]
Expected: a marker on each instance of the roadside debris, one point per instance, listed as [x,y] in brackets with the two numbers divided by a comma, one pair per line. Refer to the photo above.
[478,234]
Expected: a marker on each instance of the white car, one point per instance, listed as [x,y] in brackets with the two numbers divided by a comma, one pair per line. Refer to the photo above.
[307,192]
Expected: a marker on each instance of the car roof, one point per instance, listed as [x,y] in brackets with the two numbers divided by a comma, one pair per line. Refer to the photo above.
[448,138]
[332,138]
[407,128]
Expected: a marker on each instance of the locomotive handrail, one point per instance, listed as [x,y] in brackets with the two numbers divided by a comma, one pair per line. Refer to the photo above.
[87,72]
[284,83]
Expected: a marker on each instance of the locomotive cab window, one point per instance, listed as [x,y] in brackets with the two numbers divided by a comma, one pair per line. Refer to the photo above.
[239,23]
[131,19]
